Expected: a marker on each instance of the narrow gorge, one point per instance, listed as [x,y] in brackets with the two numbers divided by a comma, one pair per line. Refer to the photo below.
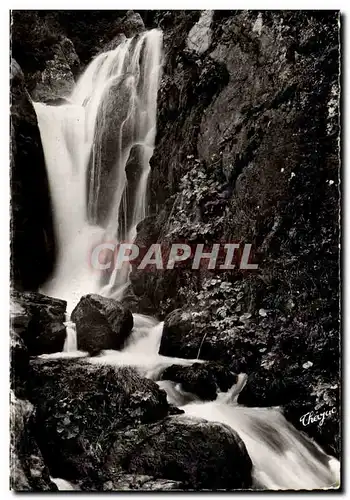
[151,131]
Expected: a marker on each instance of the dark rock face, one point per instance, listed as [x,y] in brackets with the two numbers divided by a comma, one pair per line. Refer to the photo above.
[101,323]
[91,30]
[32,243]
[132,24]
[189,333]
[37,34]
[262,389]
[178,338]
[110,146]
[38,320]
[202,379]
[189,83]
[57,80]
[247,150]
[80,406]
[200,454]
[231,143]
[28,471]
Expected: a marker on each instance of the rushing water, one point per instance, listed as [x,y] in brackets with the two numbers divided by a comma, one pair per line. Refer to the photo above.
[283,457]
[97,150]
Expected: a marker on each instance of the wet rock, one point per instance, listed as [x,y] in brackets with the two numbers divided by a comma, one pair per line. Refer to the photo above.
[202,379]
[101,323]
[200,454]
[269,389]
[32,244]
[132,24]
[79,408]
[148,483]
[126,27]
[188,334]
[318,395]
[27,469]
[179,335]
[143,283]
[39,321]
[57,80]
[298,395]
[147,231]
[57,101]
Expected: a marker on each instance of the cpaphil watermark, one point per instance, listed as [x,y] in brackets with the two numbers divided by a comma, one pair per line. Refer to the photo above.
[108,256]
[319,418]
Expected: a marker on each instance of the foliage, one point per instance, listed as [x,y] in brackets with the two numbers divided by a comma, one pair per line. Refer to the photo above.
[199,210]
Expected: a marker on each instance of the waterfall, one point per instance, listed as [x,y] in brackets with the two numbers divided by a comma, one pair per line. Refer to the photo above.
[97,149]
[70,344]
[283,457]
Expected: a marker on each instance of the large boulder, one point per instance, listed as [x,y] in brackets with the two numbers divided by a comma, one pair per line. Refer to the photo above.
[125,27]
[32,243]
[200,454]
[101,323]
[202,379]
[27,469]
[188,333]
[181,335]
[79,407]
[39,321]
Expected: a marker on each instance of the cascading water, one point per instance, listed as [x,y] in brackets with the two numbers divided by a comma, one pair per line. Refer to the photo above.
[97,150]
[283,457]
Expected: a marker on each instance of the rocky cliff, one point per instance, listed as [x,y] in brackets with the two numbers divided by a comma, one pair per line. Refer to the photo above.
[32,242]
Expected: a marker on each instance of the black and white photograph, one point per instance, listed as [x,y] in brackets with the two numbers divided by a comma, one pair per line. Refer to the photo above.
[175,250]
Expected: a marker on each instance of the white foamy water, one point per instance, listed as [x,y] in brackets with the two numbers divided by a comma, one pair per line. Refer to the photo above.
[282,457]
[141,350]
[107,130]
[70,344]
[63,485]
[88,144]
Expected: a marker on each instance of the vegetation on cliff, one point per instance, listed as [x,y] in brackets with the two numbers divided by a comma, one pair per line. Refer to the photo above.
[247,150]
